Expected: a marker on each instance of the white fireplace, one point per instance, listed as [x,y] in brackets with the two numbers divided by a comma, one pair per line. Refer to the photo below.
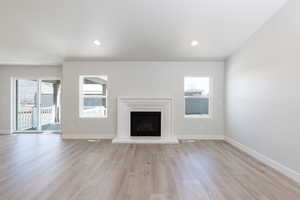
[126,105]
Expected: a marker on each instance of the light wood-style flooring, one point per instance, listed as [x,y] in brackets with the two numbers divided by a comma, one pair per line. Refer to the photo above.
[46,167]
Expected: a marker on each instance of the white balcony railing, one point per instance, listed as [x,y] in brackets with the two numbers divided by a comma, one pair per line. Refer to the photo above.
[27,119]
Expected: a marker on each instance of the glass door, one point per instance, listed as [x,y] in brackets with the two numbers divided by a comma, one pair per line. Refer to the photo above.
[37,105]
[50,105]
[27,105]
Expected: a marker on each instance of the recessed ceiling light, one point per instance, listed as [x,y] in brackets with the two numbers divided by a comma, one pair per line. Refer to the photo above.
[97,43]
[194,43]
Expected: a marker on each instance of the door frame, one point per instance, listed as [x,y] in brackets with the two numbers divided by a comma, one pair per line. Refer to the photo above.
[13,124]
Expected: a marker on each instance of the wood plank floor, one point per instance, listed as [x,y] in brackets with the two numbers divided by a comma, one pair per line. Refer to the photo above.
[46,167]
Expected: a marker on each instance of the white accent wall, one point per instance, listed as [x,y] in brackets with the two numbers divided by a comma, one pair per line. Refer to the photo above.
[141,79]
[6,75]
[263,91]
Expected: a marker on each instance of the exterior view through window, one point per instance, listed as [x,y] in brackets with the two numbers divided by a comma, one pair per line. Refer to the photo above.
[197,97]
[93,96]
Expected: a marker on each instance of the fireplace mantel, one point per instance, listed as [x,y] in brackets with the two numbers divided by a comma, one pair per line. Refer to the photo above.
[144,104]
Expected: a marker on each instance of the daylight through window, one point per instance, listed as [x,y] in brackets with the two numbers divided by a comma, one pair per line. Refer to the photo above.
[93,96]
[197,96]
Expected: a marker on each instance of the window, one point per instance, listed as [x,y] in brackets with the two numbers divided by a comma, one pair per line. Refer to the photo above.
[197,97]
[93,96]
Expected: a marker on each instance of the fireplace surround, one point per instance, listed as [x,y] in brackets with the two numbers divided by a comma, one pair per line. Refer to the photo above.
[128,105]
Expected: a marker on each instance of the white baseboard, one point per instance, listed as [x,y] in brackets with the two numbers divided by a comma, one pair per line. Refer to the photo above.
[265,160]
[5,132]
[87,136]
[111,136]
[200,137]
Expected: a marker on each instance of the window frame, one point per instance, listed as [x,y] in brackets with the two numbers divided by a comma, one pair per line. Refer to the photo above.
[81,98]
[210,100]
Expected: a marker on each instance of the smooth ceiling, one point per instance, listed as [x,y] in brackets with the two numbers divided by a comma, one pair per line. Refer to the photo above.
[48,32]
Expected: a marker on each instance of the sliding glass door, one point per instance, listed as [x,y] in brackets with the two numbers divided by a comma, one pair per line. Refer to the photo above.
[37,105]
[49,105]
[27,105]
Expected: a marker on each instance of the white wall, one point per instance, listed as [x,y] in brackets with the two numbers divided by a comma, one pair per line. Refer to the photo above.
[263,90]
[6,73]
[141,79]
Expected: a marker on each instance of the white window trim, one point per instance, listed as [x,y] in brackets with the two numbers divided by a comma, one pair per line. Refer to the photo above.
[81,97]
[210,100]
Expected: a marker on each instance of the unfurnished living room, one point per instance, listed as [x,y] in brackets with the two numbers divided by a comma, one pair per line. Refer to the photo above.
[150,100]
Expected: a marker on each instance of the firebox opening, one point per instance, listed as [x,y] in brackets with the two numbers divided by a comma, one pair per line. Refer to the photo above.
[145,124]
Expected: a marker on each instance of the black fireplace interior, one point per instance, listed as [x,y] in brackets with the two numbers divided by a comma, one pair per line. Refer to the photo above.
[145,124]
